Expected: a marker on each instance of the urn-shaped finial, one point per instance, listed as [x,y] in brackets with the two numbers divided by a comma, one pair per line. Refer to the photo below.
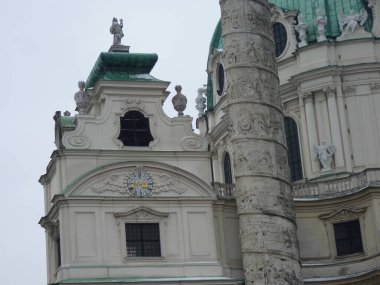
[179,101]
[81,99]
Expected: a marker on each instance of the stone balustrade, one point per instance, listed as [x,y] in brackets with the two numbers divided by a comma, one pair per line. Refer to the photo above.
[323,189]
[224,191]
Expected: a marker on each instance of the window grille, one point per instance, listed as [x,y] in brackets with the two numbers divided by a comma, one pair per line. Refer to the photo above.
[134,129]
[348,238]
[143,239]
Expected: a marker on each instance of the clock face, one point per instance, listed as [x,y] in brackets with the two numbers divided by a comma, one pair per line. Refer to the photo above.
[140,183]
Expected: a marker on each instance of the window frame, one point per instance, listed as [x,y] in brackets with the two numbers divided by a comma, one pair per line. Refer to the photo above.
[137,130]
[348,225]
[143,239]
[344,215]
[300,165]
[141,215]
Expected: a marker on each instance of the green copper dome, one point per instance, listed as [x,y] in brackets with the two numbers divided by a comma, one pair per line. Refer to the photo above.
[330,8]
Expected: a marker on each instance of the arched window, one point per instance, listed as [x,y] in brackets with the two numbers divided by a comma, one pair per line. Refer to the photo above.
[227,169]
[280,38]
[220,79]
[294,156]
[134,129]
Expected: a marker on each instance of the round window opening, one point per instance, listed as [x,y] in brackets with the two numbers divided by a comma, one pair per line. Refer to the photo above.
[220,79]
[280,38]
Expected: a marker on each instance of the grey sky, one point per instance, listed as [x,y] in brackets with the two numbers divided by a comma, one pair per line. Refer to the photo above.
[46,47]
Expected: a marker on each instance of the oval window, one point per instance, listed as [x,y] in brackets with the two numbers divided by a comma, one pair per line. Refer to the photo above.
[220,79]
[280,38]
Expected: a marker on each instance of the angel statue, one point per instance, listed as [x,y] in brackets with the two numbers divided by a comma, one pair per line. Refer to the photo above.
[117,31]
[349,23]
[301,28]
[324,152]
[320,22]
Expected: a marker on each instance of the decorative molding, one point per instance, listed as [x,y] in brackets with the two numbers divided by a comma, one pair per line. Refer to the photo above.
[79,141]
[307,97]
[349,90]
[119,183]
[375,86]
[192,143]
[343,214]
[140,214]
[330,91]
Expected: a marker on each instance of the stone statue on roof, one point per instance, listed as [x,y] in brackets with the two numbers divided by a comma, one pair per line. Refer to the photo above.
[82,99]
[117,31]
[320,22]
[349,23]
[301,28]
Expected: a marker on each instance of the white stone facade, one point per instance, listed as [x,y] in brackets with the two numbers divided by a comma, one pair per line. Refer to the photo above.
[331,89]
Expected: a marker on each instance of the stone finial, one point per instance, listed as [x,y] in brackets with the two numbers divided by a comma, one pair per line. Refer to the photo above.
[117,31]
[301,28]
[179,101]
[82,99]
[67,114]
[320,22]
[324,153]
[201,102]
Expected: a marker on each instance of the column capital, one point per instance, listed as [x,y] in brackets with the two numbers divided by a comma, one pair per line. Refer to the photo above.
[307,97]
[330,91]
[349,90]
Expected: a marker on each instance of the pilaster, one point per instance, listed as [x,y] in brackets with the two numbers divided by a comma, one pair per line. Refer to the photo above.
[330,92]
[311,127]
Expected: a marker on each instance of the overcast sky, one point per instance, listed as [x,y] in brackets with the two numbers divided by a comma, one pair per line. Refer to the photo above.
[46,48]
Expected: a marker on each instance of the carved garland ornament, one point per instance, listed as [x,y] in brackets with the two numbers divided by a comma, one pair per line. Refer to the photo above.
[139,183]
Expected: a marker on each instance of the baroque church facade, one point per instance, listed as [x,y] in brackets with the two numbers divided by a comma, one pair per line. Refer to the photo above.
[133,196]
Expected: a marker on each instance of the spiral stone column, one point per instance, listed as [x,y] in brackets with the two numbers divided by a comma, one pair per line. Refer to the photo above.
[263,192]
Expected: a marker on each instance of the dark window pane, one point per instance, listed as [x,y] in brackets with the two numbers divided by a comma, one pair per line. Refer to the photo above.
[134,129]
[294,156]
[220,79]
[348,238]
[227,169]
[280,38]
[143,239]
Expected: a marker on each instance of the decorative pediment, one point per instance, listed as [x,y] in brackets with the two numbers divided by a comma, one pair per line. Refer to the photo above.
[343,214]
[141,214]
[141,180]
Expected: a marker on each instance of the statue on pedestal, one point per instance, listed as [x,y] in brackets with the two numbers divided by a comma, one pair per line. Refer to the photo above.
[324,152]
[301,28]
[320,22]
[201,102]
[117,31]
[82,99]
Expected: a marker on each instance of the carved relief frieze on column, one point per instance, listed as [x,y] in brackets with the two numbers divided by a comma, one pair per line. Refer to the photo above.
[256,136]
[330,92]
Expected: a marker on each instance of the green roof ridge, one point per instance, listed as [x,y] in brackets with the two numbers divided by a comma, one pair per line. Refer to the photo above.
[122,66]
